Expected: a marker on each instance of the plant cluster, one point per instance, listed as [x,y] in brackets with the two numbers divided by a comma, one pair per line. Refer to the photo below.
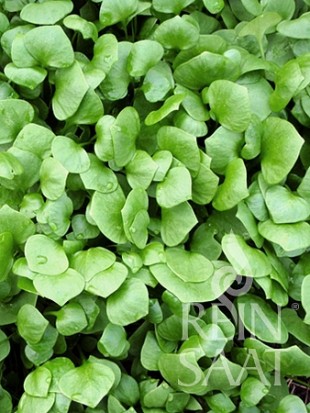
[154,206]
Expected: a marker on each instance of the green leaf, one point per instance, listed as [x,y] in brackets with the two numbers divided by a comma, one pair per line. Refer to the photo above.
[92,261]
[144,54]
[260,319]
[124,132]
[45,255]
[114,11]
[174,6]
[49,12]
[5,401]
[223,146]
[42,136]
[50,46]
[292,360]
[252,391]
[176,223]
[89,111]
[214,6]
[60,288]
[31,325]
[16,223]
[187,292]
[286,207]
[182,372]
[234,188]
[290,237]
[229,103]
[157,82]
[108,220]
[291,404]
[28,404]
[30,77]
[296,28]
[265,22]
[305,287]
[204,185]
[202,70]
[4,348]
[140,170]
[129,303]
[106,282]
[171,104]
[281,144]
[38,382]
[113,341]
[98,177]
[71,155]
[288,80]
[6,254]
[70,319]
[177,33]
[189,266]
[295,325]
[71,88]
[115,85]
[58,367]
[186,151]
[246,260]
[221,401]
[19,110]
[175,188]
[150,352]
[87,29]
[87,384]
[10,167]
[53,178]
[135,217]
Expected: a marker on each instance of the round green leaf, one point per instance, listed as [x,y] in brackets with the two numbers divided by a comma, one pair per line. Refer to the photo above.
[286,207]
[30,404]
[71,155]
[140,170]
[31,324]
[188,292]
[92,261]
[189,266]
[60,288]
[38,382]
[106,282]
[290,237]
[234,188]
[71,87]
[45,255]
[305,289]
[144,54]
[109,220]
[175,188]
[261,320]
[50,46]
[86,28]
[19,110]
[70,319]
[114,11]
[291,404]
[176,223]
[186,151]
[177,33]
[281,144]
[30,77]
[129,303]
[246,260]
[16,223]
[173,6]
[229,103]
[296,28]
[49,12]
[53,178]
[99,177]
[87,384]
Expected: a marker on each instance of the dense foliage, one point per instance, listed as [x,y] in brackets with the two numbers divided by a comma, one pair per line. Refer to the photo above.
[154,206]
